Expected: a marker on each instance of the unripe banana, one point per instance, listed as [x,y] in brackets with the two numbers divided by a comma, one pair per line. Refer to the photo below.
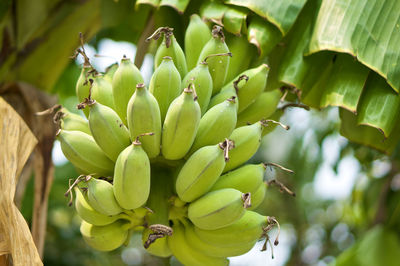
[218,209]
[100,196]
[107,237]
[243,53]
[169,47]
[196,36]
[263,107]
[132,177]
[90,215]
[247,229]
[201,79]
[216,124]
[258,197]
[188,255]
[107,129]
[83,152]
[124,84]
[180,126]
[229,90]
[165,84]
[83,86]
[247,178]
[72,122]
[218,66]
[215,251]
[110,71]
[254,87]
[102,91]
[247,141]
[160,192]
[144,117]
[201,171]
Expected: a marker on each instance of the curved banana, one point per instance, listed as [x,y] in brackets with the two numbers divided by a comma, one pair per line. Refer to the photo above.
[83,152]
[247,229]
[82,86]
[169,47]
[180,126]
[124,82]
[100,195]
[247,141]
[71,121]
[215,251]
[262,108]
[243,52]
[196,36]
[108,131]
[107,237]
[218,208]
[188,255]
[218,65]
[202,82]
[229,90]
[102,91]
[165,84]
[210,129]
[247,178]
[132,177]
[254,87]
[258,197]
[201,171]
[143,117]
[89,214]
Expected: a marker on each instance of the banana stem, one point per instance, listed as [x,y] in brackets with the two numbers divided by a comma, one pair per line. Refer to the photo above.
[204,62]
[236,82]
[282,187]
[265,123]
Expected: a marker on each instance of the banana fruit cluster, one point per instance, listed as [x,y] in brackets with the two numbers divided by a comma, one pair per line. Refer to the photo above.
[168,159]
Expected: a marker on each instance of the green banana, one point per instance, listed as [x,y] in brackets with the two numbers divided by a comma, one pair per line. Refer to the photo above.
[72,122]
[102,91]
[160,192]
[82,87]
[210,129]
[246,229]
[218,208]
[254,87]
[247,178]
[202,82]
[247,141]
[202,170]
[243,53]
[107,237]
[196,36]
[101,197]
[132,177]
[180,126]
[229,90]
[186,254]
[169,47]
[263,107]
[89,214]
[218,66]
[144,116]
[110,71]
[258,197]
[215,251]
[83,152]
[124,82]
[107,129]
[165,85]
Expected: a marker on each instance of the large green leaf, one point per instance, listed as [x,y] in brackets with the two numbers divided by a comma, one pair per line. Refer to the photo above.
[280,13]
[263,35]
[367,29]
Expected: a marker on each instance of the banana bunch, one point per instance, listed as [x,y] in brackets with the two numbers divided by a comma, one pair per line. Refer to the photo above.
[168,159]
